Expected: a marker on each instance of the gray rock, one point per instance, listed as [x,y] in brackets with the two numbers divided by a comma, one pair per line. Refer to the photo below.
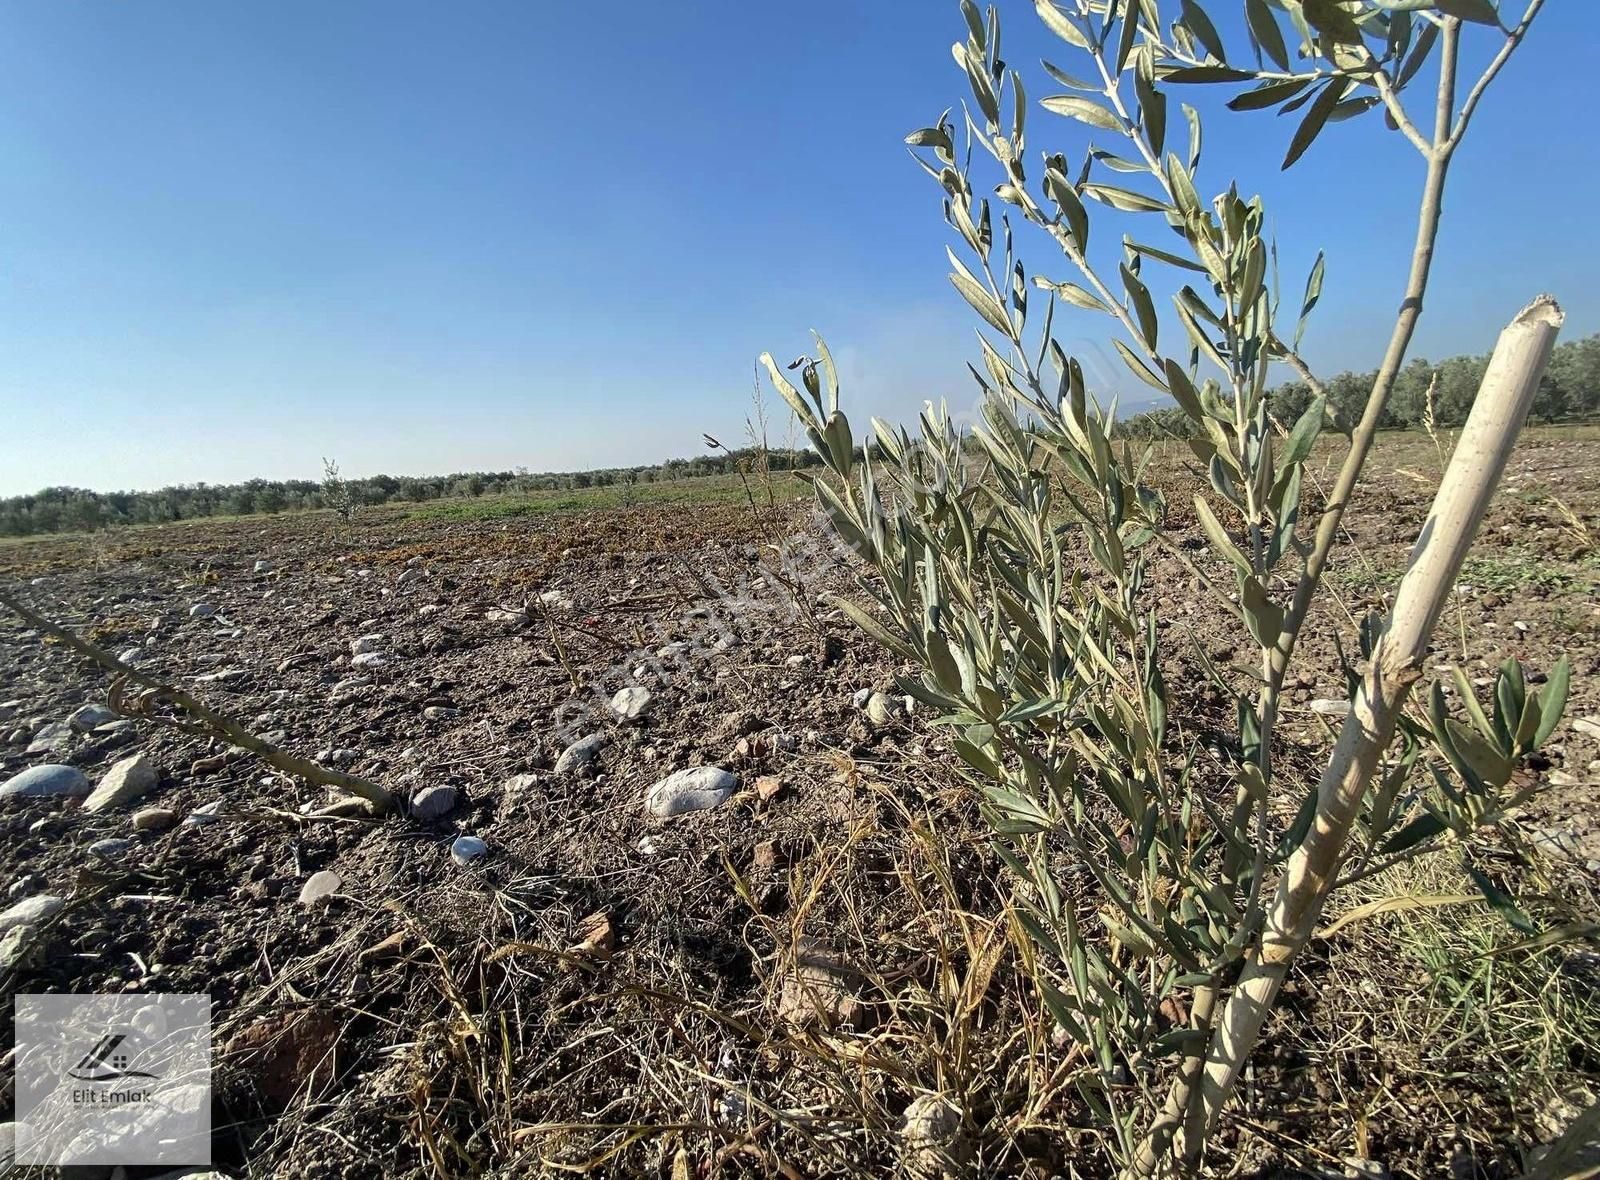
[320,886]
[366,645]
[408,575]
[580,753]
[935,1140]
[369,659]
[130,655]
[630,703]
[111,848]
[126,781]
[440,712]
[51,780]
[348,687]
[264,566]
[695,789]
[517,784]
[223,676]
[9,709]
[861,697]
[154,819]
[206,813]
[466,849]
[433,803]
[31,911]
[880,709]
[52,739]
[90,716]
[819,987]
[202,610]
[15,944]
[1589,726]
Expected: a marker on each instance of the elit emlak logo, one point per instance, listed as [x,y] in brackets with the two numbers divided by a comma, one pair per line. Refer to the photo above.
[104,1063]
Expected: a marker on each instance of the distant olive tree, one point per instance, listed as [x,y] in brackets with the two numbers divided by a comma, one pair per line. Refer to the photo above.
[1023,598]
[336,492]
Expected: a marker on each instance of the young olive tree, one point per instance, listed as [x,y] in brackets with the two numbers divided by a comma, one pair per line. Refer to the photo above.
[337,492]
[1020,594]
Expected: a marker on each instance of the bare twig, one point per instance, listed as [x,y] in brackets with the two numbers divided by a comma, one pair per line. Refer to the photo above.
[214,723]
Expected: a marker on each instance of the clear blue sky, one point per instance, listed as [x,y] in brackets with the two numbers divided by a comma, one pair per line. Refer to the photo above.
[432,237]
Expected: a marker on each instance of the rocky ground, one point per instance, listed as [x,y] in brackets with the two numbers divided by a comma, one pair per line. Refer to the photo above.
[660,822]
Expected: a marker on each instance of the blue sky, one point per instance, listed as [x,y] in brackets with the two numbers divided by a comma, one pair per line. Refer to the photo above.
[424,237]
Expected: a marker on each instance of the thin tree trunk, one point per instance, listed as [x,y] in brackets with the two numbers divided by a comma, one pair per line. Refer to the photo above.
[1507,391]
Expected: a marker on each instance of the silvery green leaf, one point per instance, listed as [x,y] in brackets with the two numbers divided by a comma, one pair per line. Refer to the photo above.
[1316,118]
[1194,18]
[1144,310]
[1083,109]
[1312,295]
[1262,616]
[1265,32]
[1138,367]
[979,297]
[1072,81]
[1553,700]
[1124,199]
[1268,94]
[1304,435]
[1218,536]
[1479,11]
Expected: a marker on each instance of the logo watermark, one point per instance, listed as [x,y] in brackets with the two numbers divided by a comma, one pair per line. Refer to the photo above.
[113,1079]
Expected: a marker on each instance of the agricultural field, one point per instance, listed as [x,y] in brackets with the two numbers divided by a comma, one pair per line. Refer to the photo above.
[538,971]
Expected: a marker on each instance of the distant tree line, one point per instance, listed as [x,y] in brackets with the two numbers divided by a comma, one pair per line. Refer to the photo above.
[58,510]
[1570,390]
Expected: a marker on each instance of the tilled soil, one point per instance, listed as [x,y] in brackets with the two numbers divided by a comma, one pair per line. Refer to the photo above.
[605,989]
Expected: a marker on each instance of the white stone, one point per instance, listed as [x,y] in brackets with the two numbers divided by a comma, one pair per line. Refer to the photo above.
[89,716]
[1331,708]
[695,789]
[365,644]
[319,886]
[31,911]
[263,566]
[51,739]
[630,703]
[433,803]
[206,813]
[153,819]
[518,783]
[202,610]
[49,780]
[466,849]
[580,753]
[126,781]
